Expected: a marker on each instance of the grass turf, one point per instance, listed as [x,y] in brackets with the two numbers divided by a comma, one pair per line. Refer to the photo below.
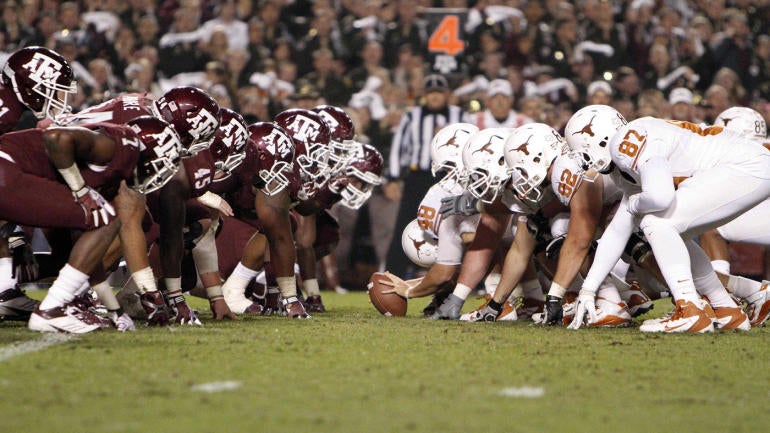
[352,370]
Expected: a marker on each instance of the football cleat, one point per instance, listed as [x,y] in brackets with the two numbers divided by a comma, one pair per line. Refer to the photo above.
[449,310]
[272,301]
[294,308]
[637,301]
[529,307]
[16,305]
[68,318]
[610,314]
[155,308]
[731,318]
[314,304]
[483,314]
[508,313]
[438,299]
[758,305]
[687,317]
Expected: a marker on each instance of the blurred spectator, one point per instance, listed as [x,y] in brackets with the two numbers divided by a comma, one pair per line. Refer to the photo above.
[329,84]
[371,56]
[681,101]
[253,105]
[728,79]
[716,100]
[15,32]
[324,34]
[179,49]
[534,107]
[273,29]
[626,107]
[499,111]
[734,50]
[408,30]
[235,30]
[626,83]
[599,92]
[258,52]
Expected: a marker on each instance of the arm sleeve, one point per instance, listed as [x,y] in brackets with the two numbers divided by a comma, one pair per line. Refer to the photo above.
[657,187]
[610,246]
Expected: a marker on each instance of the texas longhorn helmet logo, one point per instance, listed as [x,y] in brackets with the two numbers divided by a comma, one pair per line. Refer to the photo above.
[523,147]
[485,148]
[417,244]
[452,141]
[587,129]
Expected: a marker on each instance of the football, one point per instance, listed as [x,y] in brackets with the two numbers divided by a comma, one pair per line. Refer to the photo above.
[389,304]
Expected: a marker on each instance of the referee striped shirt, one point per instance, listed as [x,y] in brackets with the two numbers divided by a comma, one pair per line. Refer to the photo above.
[410,148]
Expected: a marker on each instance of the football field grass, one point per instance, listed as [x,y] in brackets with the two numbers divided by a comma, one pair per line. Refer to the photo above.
[353,370]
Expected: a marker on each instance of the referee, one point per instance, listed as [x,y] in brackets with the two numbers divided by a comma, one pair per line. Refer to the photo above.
[409,175]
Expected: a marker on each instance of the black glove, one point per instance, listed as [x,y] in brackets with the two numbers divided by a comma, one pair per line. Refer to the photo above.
[25,267]
[464,204]
[553,312]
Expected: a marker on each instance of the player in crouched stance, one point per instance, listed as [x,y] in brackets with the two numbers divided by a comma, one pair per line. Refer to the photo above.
[679,180]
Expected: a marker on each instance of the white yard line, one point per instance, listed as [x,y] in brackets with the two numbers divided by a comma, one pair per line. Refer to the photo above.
[523,392]
[217,386]
[22,348]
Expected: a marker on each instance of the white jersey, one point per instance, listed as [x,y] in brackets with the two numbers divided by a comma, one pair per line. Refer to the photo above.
[687,147]
[567,175]
[485,119]
[447,230]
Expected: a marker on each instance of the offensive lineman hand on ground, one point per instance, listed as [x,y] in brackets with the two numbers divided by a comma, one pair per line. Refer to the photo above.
[98,211]
[464,204]
[220,310]
[399,286]
[586,303]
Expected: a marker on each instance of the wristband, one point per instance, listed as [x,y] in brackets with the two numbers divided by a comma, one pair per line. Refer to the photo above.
[287,286]
[210,199]
[214,292]
[145,280]
[556,289]
[73,178]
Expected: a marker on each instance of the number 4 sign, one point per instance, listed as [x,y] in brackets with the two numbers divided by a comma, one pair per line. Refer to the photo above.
[446,44]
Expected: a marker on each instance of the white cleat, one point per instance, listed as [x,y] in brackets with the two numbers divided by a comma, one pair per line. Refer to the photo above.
[732,318]
[686,317]
[610,314]
[68,318]
[637,301]
[508,313]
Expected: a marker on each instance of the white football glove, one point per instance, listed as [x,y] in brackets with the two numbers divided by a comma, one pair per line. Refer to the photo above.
[586,303]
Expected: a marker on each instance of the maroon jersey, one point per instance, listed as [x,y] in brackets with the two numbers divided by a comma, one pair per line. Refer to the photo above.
[106,179]
[10,110]
[200,172]
[118,110]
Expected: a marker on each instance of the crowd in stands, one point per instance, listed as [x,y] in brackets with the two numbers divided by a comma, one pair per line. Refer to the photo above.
[684,59]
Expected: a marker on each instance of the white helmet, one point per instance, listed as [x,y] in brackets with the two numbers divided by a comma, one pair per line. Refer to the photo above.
[589,132]
[420,247]
[745,121]
[484,163]
[529,152]
[446,152]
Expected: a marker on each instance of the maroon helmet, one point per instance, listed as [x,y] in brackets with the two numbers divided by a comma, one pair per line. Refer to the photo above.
[311,138]
[227,146]
[41,79]
[362,172]
[275,153]
[160,150]
[342,132]
[193,113]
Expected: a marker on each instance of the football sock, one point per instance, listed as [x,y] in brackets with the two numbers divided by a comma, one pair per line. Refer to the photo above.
[743,287]
[6,272]
[491,282]
[287,286]
[311,287]
[671,254]
[107,296]
[721,266]
[705,279]
[609,292]
[63,290]
[462,291]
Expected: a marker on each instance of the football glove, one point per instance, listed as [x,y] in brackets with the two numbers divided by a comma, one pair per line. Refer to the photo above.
[463,204]
[96,209]
[586,304]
